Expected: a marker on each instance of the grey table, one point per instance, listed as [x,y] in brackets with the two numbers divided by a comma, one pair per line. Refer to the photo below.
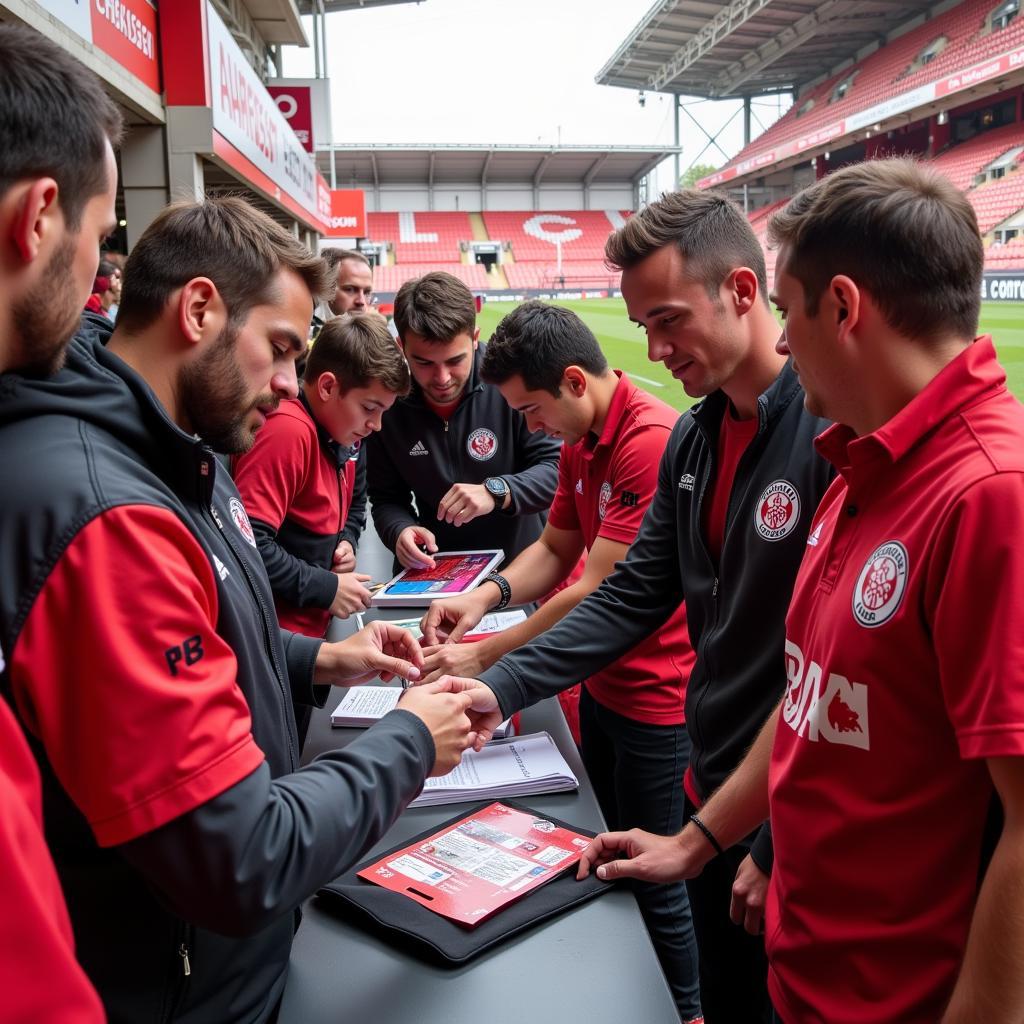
[593,964]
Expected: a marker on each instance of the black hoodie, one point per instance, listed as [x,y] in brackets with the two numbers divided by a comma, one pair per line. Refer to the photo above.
[190,919]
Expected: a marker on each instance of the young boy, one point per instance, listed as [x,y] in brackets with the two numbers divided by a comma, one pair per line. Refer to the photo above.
[297,480]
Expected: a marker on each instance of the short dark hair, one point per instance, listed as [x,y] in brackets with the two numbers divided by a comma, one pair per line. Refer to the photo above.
[225,239]
[436,306]
[55,120]
[335,256]
[358,348]
[539,343]
[902,231]
[710,231]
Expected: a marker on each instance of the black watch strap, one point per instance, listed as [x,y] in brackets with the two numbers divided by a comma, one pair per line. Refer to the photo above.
[503,586]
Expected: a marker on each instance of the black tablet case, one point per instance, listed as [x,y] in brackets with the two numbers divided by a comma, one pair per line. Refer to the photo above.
[429,936]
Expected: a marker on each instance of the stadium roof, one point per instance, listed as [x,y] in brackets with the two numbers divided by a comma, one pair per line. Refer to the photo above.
[393,164]
[749,47]
[330,6]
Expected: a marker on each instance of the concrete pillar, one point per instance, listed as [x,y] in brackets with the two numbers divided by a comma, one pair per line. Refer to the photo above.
[143,178]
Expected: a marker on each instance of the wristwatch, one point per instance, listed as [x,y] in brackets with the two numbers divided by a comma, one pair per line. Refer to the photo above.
[498,489]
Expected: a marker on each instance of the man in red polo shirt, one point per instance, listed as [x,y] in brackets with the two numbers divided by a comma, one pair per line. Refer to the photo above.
[903,720]
[548,366]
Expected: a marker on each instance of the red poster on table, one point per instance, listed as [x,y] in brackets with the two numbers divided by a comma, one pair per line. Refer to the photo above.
[480,864]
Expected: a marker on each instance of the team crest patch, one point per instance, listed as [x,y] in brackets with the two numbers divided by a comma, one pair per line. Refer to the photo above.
[603,498]
[880,586]
[777,511]
[241,520]
[482,444]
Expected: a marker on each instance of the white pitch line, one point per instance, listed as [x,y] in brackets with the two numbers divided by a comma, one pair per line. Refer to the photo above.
[647,380]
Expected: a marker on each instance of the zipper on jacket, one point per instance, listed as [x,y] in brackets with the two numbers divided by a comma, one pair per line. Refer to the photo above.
[268,638]
[186,966]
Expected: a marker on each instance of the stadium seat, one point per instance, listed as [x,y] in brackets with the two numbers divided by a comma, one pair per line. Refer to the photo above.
[429,237]
[885,72]
[390,279]
[534,234]
[962,163]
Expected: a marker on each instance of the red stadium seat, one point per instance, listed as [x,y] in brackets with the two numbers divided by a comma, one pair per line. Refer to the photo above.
[886,72]
[422,237]
[534,235]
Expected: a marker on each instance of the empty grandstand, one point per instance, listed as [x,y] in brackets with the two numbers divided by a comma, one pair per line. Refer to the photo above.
[941,81]
[507,220]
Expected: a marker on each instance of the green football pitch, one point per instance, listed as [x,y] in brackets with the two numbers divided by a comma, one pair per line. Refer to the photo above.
[625,345]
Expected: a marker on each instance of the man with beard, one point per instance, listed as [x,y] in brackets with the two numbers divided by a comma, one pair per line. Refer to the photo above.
[142,646]
[56,204]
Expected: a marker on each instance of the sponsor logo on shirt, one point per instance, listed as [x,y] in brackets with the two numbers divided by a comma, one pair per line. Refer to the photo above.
[579,486]
[603,498]
[241,520]
[418,449]
[812,540]
[880,586]
[628,499]
[686,482]
[831,710]
[482,444]
[222,569]
[777,511]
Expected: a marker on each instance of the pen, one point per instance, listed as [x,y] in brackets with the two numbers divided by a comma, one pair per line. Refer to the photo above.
[374,587]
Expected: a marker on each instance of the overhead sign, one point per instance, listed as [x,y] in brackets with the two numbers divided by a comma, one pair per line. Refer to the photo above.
[124,30]
[930,92]
[246,116]
[348,213]
[296,106]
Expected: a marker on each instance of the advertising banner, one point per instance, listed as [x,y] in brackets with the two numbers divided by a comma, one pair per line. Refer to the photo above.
[348,213]
[248,118]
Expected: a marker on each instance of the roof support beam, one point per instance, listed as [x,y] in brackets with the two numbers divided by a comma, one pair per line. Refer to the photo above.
[483,178]
[789,38]
[594,168]
[730,18]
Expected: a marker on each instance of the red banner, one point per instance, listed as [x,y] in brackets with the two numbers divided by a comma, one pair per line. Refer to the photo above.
[296,104]
[126,31]
[348,213]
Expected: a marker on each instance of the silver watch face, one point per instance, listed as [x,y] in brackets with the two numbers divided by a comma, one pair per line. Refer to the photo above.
[498,487]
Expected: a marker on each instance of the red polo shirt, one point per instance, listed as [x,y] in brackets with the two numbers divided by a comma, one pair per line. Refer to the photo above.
[905,665]
[604,488]
[39,977]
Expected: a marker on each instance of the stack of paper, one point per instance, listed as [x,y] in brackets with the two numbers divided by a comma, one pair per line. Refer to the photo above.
[364,705]
[491,623]
[517,766]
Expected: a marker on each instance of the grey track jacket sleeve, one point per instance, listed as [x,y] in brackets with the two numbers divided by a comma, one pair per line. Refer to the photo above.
[300,660]
[629,605]
[257,850]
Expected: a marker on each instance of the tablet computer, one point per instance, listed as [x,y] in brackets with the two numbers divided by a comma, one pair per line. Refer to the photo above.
[454,573]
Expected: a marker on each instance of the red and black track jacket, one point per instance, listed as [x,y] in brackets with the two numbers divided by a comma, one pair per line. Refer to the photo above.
[736,610]
[147,666]
[298,487]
